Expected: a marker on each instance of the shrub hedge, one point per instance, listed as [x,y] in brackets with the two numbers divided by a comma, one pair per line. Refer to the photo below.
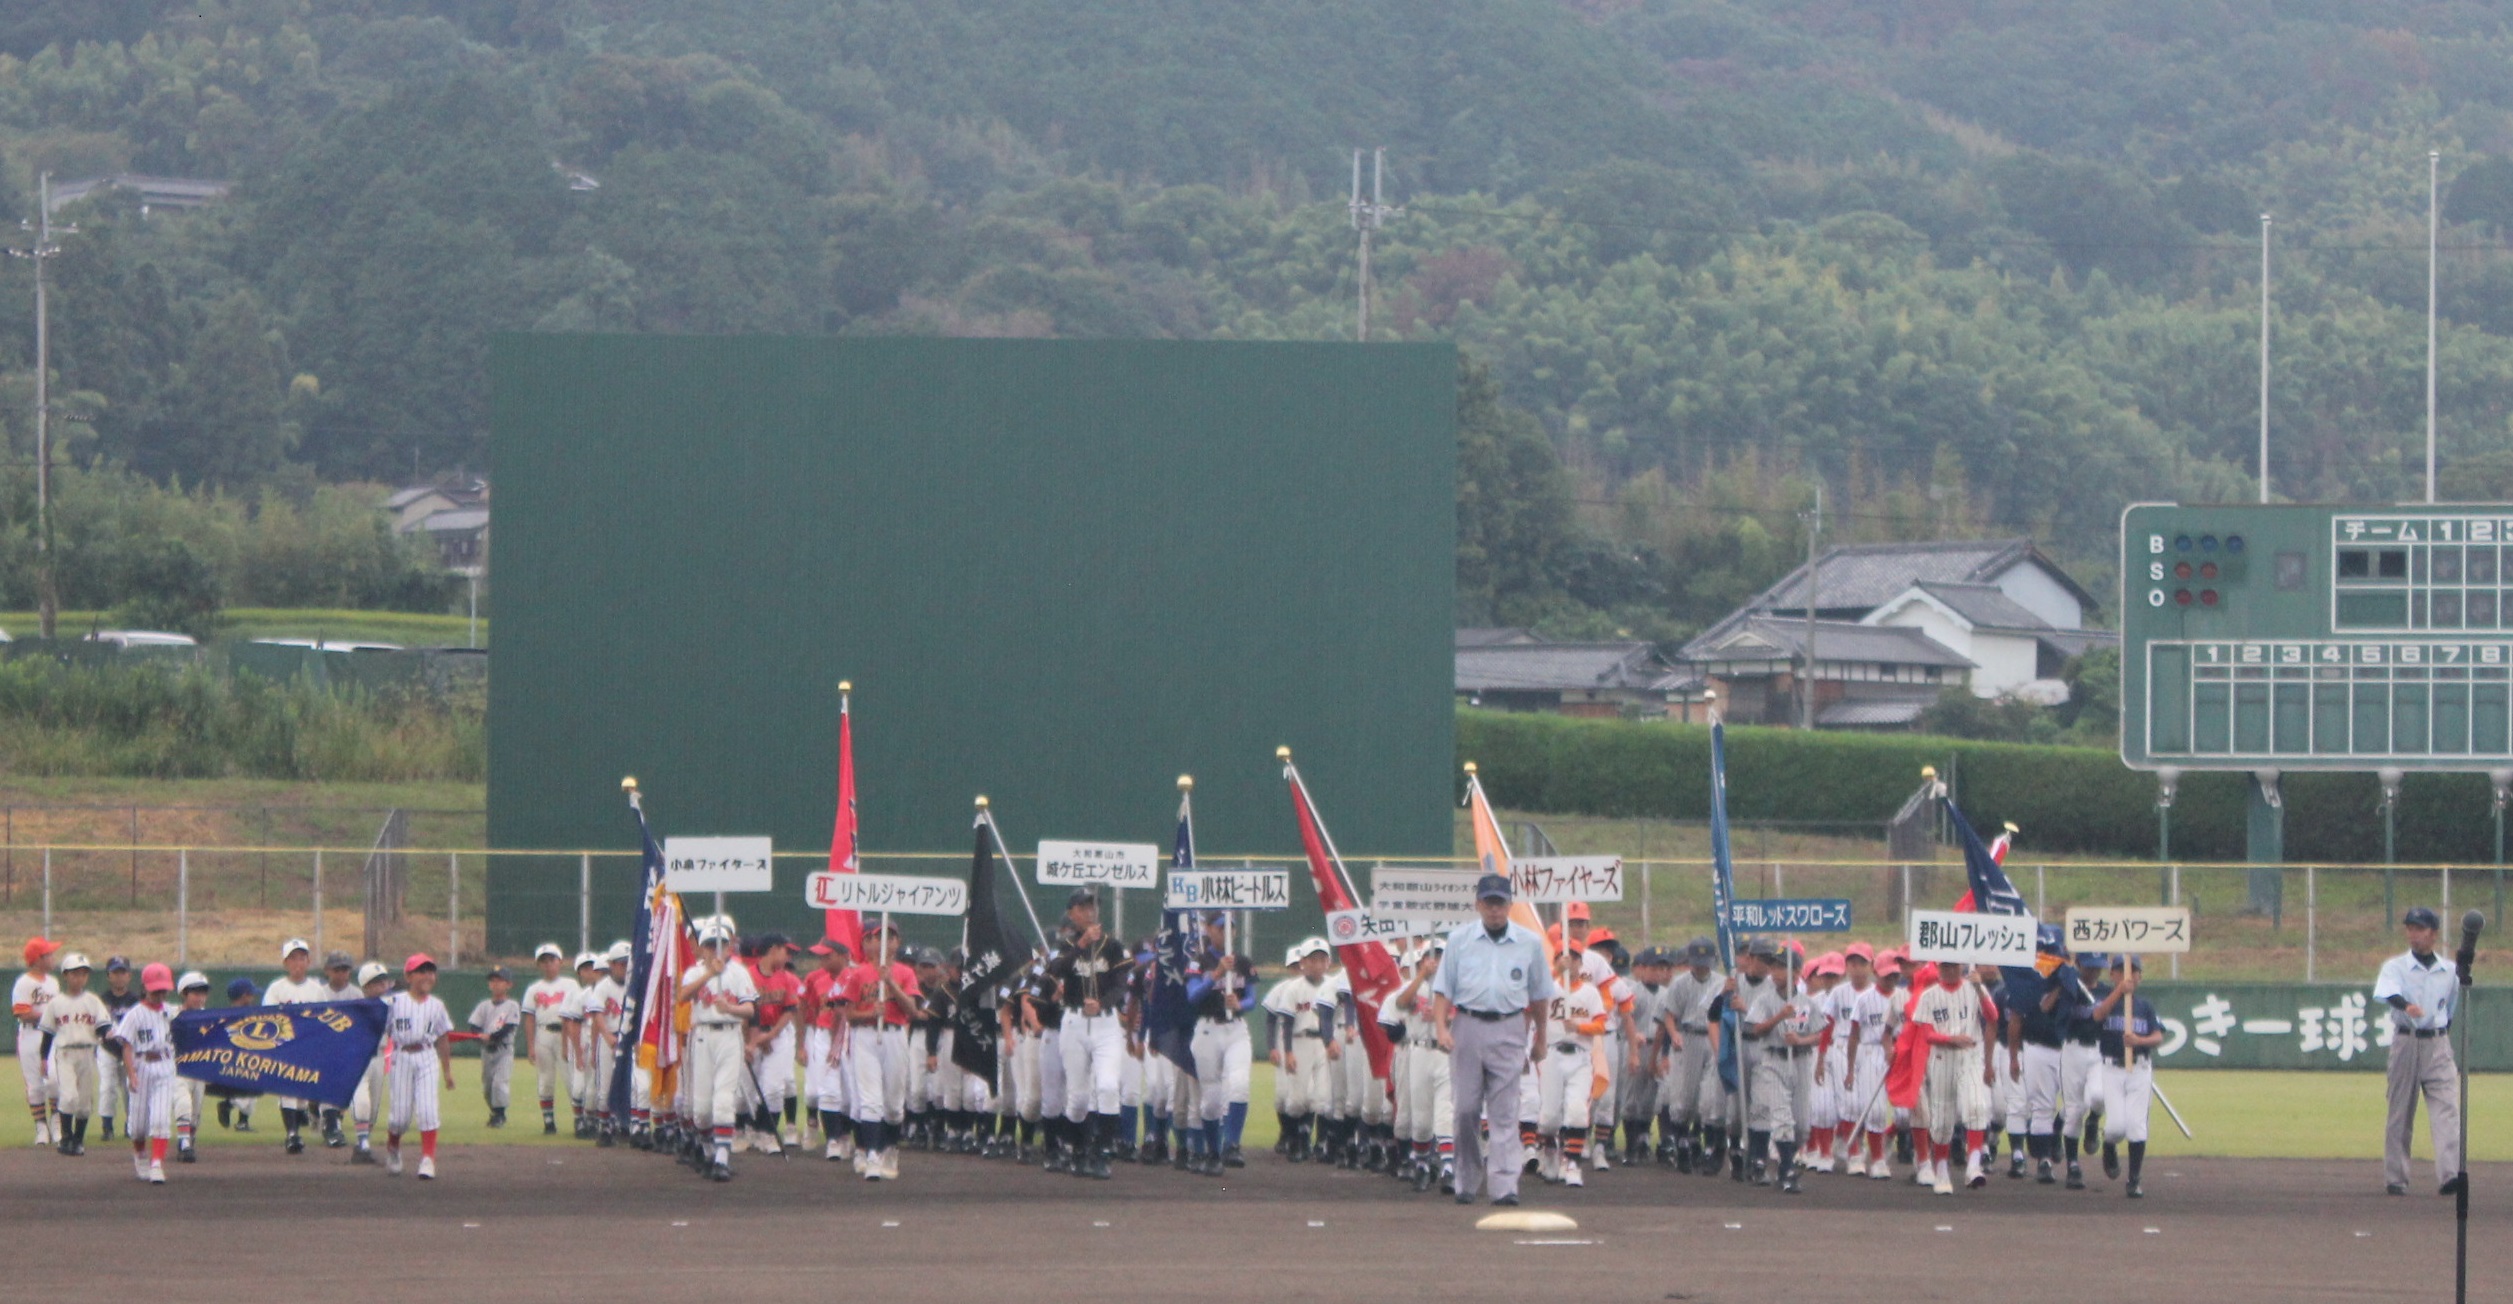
[2074,799]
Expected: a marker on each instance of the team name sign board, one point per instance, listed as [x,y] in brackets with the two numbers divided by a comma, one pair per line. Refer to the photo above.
[1547,880]
[1957,937]
[1348,927]
[2148,930]
[1789,915]
[1111,864]
[1428,901]
[1227,889]
[718,864]
[892,894]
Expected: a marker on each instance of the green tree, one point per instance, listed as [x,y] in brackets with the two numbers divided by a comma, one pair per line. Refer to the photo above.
[167,585]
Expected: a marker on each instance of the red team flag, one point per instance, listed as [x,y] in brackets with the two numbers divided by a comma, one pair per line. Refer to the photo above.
[1367,966]
[845,925]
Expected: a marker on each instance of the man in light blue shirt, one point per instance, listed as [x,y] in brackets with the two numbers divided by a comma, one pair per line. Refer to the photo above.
[1493,984]
[2420,988]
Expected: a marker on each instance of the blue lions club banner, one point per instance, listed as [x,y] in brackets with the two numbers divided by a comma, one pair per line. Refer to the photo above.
[307,1052]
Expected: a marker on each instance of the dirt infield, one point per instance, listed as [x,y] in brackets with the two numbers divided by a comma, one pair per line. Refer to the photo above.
[558,1224]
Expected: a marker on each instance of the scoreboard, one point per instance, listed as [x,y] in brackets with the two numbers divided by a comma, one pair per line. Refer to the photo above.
[2329,638]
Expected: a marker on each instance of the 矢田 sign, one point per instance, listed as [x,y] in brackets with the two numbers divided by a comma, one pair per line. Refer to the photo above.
[1227,889]
[1790,915]
[2139,930]
[897,894]
[1549,879]
[1347,927]
[717,864]
[1111,864]
[1964,938]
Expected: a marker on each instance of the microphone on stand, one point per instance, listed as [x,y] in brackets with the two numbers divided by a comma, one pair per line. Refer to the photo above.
[2472,924]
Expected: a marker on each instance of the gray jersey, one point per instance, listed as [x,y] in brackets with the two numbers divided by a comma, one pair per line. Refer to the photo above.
[1688,999]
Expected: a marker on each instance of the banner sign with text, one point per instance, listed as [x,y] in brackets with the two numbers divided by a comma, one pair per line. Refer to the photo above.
[1436,900]
[1547,880]
[306,1052]
[1790,915]
[2138,930]
[1962,937]
[1111,864]
[1349,927]
[718,864]
[897,894]
[1227,889]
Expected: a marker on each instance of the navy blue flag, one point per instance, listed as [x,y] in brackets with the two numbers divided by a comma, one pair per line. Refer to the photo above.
[991,957]
[1169,1017]
[640,968]
[307,1052]
[1722,895]
[1988,889]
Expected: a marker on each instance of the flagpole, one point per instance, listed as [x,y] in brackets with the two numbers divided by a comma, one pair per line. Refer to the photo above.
[1334,857]
[987,814]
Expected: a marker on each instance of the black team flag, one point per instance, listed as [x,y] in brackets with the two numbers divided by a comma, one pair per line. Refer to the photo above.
[990,957]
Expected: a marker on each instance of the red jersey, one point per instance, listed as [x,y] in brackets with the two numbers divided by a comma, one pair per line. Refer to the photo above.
[858,983]
[819,1009]
[778,993]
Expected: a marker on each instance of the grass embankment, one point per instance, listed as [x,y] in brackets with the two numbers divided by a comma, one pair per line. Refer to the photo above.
[238,624]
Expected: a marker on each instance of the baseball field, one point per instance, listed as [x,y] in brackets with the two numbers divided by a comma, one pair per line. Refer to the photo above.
[2279,1198]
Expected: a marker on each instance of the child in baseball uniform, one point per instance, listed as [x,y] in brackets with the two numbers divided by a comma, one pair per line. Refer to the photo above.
[192,992]
[495,1018]
[420,1032]
[296,986]
[27,996]
[236,1111]
[1955,1016]
[145,1033]
[1861,1029]
[722,1000]
[604,1003]
[579,1026]
[1300,1011]
[373,981]
[73,1024]
[1566,1081]
[824,1039]
[118,995]
[545,1033]
[2130,1036]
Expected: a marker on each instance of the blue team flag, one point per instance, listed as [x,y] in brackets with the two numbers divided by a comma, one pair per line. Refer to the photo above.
[640,967]
[312,1052]
[1989,890]
[1722,894]
[1169,1017]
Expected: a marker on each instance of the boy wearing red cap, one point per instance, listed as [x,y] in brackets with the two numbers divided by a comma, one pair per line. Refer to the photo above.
[146,1036]
[26,1000]
[1955,1017]
[421,1031]
[1862,1028]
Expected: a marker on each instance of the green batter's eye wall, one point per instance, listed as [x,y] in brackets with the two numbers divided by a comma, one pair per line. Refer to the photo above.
[1058,573]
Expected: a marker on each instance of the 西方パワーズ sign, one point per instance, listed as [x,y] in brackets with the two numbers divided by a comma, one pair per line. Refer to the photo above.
[2137,930]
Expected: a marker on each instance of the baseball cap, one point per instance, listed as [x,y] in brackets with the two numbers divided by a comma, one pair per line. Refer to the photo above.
[241,987]
[2049,940]
[1888,964]
[2136,963]
[155,978]
[1575,910]
[192,980]
[39,947]
[1858,951]
[1309,946]
[372,970]
[1493,887]
[1081,896]
[499,974]
[417,962]
[74,960]
[117,964]
[1602,937]
[550,950]
[1828,962]
[620,950]
[2421,917]
[291,947]
[337,960]
[586,959]
[711,932]
[831,946]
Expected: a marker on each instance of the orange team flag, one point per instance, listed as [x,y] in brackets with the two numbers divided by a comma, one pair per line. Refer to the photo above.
[845,925]
[1493,853]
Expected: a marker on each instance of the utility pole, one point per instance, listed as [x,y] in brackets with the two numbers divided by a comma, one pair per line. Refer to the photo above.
[48,590]
[1367,218]
[1814,588]
[2264,357]
[2434,231]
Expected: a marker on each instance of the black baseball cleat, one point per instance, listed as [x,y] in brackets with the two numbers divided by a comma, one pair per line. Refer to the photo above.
[1231,1158]
[2136,1192]
[105,1127]
[1788,1183]
[62,1147]
[244,1122]
[1468,1197]
[497,1118]
[1101,1167]
[2452,1185]
[2042,1173]
[185,1154]
[296,1144]
[2396,1188]
[2111,1160]
[720,1172]
[2015,1165]
[549,1126]
[1509,1201]
[227,1114]
[2076,1176]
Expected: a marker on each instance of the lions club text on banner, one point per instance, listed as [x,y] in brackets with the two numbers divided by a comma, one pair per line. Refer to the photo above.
[310,1052]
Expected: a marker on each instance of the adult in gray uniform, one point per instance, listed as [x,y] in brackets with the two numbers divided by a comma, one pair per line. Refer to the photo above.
[1696,1105]
[2420,987]
[1491,987]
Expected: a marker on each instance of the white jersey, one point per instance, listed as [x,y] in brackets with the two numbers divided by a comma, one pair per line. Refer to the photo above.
[548,999]
[605,999]
[150,1035]
[1575,1009]
[75,1022]
[1598,972]
[1868,1011]
[414,1023]
[1296,997]
[1955,1013]
[286,991]
[734,985]
[29,993]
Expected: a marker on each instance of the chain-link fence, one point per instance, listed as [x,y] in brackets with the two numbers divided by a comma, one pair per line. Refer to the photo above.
[223,886]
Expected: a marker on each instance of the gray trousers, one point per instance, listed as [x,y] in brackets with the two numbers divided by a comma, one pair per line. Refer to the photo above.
[1484,1071]
[2422,1066]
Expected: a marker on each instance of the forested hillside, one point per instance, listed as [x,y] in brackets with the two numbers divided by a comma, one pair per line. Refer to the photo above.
[1981,265]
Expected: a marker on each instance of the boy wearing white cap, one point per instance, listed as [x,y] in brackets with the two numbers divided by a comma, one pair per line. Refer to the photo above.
[192,993]
[298,986]
[148,1066]
[373,979]
[604,1003]
[579,1029]
[73,1025]
[419,1028]
[722,999]
[1300,1013]
[545,1030]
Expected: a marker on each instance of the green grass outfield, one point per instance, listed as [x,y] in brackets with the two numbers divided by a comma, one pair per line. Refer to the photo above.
[236,624]
[2236,1114]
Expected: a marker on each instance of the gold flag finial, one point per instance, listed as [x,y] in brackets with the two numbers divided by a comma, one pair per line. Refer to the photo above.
[1282,753]
[846,685]
[1928,771]
[628,783]
[981,801]
[1470,767]
[1186,782]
